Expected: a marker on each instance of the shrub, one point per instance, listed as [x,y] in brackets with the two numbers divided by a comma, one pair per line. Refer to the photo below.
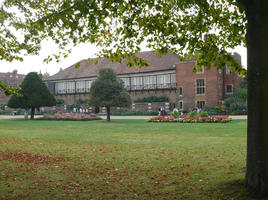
[175,113]
[238,102]
[4,112]
[215,110]
[203,114]
[59,102]
[192,113]
[152,99]
[2,106]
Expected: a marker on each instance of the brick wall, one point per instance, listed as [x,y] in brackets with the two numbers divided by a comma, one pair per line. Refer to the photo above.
[215,85]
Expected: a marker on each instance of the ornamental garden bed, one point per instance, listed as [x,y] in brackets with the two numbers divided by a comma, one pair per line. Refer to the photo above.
[187,119]
[70,117]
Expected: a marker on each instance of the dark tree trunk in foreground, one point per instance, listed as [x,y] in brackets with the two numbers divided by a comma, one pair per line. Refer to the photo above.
[108,110]
[32,113]
[257,140]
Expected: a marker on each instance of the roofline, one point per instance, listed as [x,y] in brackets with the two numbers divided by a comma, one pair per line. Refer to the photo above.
[117,74]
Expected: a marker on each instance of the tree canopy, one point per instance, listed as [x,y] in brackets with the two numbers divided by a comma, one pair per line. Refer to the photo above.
[108,91]
[33,94]
[193,29]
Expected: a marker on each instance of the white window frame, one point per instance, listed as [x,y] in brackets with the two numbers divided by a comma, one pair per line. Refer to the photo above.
[196,87]
[227,87]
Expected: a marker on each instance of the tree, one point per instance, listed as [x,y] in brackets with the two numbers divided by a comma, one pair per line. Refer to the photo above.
[33,94]
[11,47]
[108,91]
[200,29]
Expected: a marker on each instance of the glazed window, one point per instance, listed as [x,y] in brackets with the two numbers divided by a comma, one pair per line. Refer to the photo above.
[229,89]
[200,104]
[180,91]
[200,86]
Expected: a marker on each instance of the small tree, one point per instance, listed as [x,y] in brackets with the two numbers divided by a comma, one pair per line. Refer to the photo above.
[108,91]
[33,94]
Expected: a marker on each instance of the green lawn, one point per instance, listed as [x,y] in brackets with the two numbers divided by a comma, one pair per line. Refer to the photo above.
[123,159]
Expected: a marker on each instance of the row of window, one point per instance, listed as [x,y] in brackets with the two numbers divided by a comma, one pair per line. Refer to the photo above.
[201,88]
[150,80]
[131,83]
[136,83]
[227,70]
[71,87]
[199,104]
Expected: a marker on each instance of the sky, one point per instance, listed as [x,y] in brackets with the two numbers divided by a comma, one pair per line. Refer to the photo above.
[83,51]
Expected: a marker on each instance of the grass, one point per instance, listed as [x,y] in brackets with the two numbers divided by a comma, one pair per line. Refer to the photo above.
[123,159]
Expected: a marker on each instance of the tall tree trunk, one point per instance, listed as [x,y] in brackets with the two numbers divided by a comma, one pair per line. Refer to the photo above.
[32,113]
[108,114]
[257,140]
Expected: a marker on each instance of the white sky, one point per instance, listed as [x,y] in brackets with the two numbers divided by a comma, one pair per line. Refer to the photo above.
[83,51]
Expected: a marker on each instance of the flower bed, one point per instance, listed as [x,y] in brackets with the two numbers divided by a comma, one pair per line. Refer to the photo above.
[70,117]
[186,119]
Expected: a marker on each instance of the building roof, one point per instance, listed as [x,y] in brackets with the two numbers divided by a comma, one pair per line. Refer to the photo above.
[87,69]
[12,79]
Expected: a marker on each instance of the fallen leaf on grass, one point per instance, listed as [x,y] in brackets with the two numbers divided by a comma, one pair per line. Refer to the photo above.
[28,158]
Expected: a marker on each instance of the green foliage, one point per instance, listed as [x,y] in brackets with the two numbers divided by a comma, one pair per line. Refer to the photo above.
[244,82]
[186,28]
[192,113]
[152,99]
[175,113]
[33,94]
[59,102]
[238,102]
[108,91]
[2,106]
[4,112]
[241,93]
[82,102]
[203,114]
[215,110]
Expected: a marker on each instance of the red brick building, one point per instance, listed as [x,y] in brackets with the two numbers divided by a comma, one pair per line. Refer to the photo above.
[208,87]
[12,79]
[165,76]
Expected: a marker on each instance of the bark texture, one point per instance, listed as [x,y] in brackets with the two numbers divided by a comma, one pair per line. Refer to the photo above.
[32,113]
[257,140]
[108,114]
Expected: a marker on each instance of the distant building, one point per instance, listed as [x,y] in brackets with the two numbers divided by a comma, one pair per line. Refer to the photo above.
[165,76]
[12,79]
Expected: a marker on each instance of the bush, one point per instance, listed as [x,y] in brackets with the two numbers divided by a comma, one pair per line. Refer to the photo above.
[59,102]
[175,113]
[2,107]
[203,114]
[238,102]
[192,113]
[152,99]
[215,110]
[4,112]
